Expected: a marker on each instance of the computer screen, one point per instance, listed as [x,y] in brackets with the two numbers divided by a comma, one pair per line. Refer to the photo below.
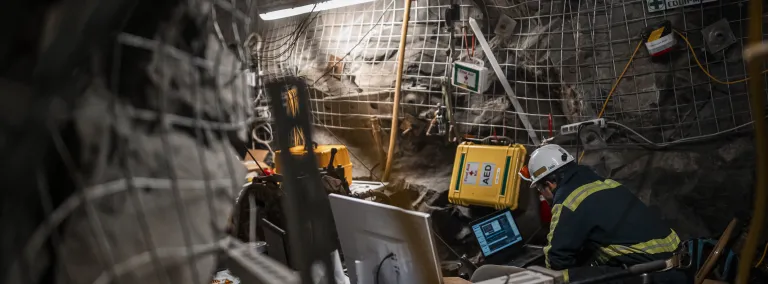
[385,244]
[497,232]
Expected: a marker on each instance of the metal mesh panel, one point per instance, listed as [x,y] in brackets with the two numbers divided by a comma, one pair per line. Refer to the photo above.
[562,59]
[148,171]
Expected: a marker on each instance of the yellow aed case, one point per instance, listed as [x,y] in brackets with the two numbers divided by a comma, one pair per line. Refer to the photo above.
[486,175]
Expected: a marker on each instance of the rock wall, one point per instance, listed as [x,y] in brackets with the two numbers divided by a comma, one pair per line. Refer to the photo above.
[119,166]
[562,59]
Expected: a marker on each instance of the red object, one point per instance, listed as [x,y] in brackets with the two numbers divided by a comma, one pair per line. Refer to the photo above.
[525,173]
[545,212]
[550,126]
[268,172]
[660,53]
[466,43]
[473,45]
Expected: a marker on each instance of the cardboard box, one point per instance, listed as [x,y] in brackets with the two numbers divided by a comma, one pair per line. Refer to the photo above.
[251,164]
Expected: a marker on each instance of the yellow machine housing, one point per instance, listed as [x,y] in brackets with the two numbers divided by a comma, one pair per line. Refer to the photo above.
[323,154]
[487,175]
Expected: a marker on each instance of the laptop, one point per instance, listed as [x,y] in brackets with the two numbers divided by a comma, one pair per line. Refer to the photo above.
[501,242]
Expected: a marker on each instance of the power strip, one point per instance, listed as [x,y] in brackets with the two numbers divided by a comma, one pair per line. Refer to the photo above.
[573,128]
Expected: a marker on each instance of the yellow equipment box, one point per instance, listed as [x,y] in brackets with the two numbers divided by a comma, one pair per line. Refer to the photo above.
[323,154]
[487,175]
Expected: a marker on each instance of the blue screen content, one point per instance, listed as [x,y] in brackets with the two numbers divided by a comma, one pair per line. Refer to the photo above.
[497,233]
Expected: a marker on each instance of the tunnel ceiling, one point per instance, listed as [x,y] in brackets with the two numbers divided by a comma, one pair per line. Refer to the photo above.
[266,6]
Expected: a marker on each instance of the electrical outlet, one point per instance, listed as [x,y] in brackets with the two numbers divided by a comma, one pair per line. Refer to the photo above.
[573,128]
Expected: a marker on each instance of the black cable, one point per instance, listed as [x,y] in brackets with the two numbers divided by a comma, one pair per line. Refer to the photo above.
[291,43]
[254,159]
[293,37]
[286,39]
[378,268]
[357,44]
[453,251]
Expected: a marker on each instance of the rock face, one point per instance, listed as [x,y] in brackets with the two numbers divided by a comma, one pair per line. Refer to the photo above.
[129,171]
[562,59]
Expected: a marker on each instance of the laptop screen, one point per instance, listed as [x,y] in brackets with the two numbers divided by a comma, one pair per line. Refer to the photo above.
[497,232]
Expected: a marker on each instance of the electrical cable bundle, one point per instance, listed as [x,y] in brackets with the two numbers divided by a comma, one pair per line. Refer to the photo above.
[289,40]
[327,72]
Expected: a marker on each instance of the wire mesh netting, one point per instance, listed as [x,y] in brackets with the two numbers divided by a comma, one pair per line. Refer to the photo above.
[133,160]
[144,124]
[562,58]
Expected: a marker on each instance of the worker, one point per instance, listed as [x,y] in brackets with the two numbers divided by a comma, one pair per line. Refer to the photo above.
[596,220]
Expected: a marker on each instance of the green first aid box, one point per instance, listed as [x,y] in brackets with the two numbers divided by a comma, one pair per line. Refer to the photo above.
[470,76]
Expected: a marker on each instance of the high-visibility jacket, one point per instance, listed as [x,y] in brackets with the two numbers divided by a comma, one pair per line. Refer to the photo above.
[603,219]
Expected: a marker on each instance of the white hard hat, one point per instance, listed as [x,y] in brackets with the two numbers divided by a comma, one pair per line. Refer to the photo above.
[546,160]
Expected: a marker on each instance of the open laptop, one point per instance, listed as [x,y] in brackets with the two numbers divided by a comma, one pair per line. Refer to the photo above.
[501,242]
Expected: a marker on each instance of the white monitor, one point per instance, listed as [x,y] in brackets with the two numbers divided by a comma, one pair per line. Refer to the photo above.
[370,231]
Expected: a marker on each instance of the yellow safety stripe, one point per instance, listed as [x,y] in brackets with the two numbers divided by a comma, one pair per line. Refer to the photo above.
[572,202]
[566,277]
[555,218]
[580,194]
[668,244]
[601,257]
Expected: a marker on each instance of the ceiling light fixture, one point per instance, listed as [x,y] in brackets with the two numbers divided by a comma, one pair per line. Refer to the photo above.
[333,4]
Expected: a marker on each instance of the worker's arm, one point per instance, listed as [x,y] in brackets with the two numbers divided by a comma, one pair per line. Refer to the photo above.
[568,233]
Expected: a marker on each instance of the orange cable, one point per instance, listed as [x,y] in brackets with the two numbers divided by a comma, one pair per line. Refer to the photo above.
[473,46]
[613,89]
[701,66]
[615,85]
[466,42]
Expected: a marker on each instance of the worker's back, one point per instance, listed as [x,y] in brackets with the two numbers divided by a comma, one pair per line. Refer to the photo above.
[600,217]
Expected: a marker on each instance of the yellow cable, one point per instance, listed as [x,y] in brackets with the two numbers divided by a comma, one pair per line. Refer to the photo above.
[613,89]
[695,58]
[765,250]
[701,66]
[293,108]
[615,85]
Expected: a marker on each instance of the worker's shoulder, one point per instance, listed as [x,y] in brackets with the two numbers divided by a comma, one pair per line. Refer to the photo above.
[597,192]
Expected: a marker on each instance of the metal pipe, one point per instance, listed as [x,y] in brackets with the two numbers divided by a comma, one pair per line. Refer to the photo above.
[755,61]
[504,81]
[398,87]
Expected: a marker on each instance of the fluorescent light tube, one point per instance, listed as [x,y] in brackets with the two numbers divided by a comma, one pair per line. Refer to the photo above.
[333,4]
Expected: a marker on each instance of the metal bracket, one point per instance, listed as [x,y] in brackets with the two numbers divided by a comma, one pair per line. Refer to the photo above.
[504,82]
[718,36]
[505,26]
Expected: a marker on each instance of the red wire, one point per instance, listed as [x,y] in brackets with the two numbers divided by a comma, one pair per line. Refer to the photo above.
[473,45]
[466,43]
[550,126]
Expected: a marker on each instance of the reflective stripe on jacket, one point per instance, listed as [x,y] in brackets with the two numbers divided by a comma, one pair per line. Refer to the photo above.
[600,219]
